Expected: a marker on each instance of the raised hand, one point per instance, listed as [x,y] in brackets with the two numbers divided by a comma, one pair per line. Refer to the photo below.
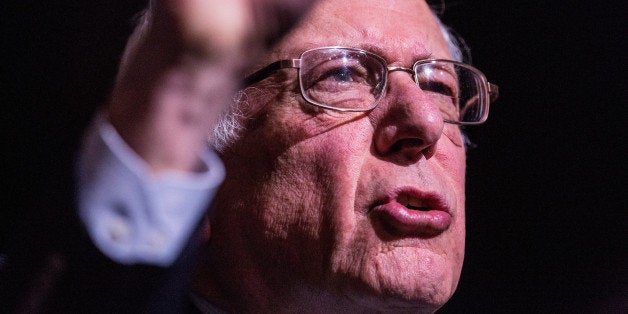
[181,68]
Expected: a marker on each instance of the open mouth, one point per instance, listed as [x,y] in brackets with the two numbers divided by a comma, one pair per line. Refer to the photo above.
[413,213]
[412,203]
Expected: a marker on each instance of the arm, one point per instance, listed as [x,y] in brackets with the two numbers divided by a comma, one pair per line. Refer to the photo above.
[145,174]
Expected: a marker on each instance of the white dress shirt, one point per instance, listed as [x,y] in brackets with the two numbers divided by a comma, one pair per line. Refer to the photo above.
[132,215]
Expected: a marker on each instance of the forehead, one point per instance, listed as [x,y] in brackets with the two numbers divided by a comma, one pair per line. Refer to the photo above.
[400,31]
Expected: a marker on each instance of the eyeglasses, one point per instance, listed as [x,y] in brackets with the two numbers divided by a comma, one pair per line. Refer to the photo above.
[354,80]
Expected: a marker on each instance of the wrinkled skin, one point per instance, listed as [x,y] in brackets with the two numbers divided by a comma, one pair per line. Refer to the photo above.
[298,223]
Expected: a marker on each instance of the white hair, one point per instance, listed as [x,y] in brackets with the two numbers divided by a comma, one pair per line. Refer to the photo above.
[230,124]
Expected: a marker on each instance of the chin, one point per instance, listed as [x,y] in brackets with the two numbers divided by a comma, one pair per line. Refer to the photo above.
[404,281]
[423,300]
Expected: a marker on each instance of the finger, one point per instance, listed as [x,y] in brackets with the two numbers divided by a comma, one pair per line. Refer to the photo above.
[210,26]
[274,18]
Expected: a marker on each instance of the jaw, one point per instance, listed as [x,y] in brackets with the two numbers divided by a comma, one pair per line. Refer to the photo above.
[329,251]
[418,274]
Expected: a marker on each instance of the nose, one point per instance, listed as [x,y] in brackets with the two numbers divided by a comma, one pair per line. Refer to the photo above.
[408,123]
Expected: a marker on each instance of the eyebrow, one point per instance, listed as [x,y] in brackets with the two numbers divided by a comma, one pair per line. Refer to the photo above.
[377,47]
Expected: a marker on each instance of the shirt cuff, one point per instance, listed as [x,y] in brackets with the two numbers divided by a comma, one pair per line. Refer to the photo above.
[132,215]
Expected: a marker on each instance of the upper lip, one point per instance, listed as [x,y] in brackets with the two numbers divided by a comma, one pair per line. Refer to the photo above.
[415,199]
[424,201]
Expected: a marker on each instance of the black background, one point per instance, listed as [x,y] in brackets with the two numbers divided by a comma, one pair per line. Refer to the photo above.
[546,183]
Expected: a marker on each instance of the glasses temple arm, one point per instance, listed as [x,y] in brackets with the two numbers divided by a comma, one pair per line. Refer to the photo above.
[493,91]
[270,69]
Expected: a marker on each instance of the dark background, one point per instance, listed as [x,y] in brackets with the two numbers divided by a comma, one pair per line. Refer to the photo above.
[546,182]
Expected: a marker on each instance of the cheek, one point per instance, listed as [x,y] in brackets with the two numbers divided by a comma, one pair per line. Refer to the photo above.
[343,150]
[454,134]
[306,199]
[312,183]
[451,161]
[451,158]
[338,158]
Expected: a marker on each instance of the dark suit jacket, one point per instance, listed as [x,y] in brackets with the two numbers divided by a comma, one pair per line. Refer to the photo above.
[50,265]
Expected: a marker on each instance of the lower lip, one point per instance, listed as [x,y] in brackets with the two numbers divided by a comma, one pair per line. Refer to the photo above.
[400,221]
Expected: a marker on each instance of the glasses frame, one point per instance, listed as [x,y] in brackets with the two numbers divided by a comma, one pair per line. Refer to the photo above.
[488,91]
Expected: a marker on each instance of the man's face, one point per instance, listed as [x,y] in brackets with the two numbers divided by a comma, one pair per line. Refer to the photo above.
[355,209]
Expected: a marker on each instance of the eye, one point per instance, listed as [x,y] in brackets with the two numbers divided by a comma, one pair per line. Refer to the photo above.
[344,73]
[438,87]
[341,75]
[343,79]
[437,79]
[336,76]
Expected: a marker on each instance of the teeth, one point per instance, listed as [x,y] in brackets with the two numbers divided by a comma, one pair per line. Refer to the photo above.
[411,202]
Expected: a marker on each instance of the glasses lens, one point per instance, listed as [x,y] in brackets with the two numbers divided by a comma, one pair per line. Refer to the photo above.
[459,90]
[341,78]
